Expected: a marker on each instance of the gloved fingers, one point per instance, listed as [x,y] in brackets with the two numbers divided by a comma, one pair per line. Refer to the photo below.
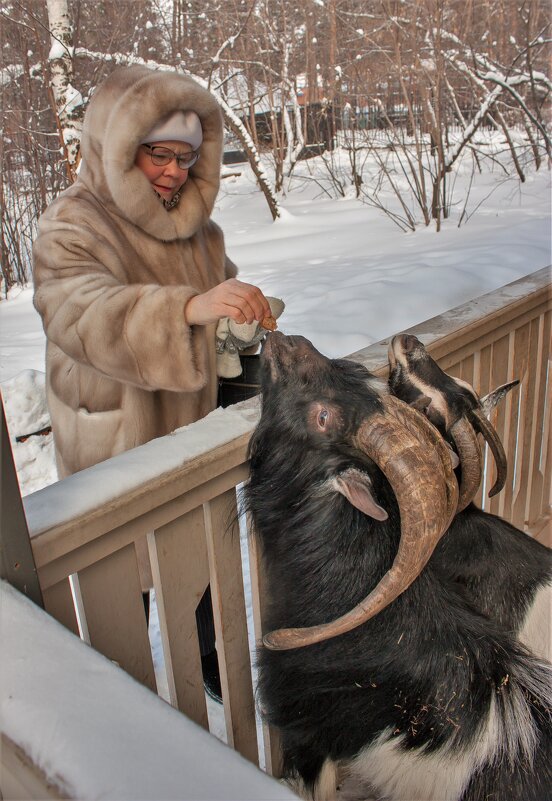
[247,332]
[243,331]
[222,328]
[243,340]
[245,335]
[277,306]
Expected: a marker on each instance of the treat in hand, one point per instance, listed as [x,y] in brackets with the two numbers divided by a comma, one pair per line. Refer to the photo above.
[269,323]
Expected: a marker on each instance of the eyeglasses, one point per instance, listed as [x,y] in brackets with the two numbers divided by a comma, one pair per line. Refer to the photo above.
[161,156]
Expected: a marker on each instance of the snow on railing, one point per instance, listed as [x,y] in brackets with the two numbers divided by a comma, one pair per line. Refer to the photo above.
[75,726]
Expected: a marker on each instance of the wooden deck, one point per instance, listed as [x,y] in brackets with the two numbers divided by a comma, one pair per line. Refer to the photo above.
[180,494]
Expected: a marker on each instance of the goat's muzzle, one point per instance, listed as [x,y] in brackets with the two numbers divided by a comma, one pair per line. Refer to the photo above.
[287,354]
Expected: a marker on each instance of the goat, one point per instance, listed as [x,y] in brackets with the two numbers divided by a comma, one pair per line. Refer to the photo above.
[405,690]
[480,550]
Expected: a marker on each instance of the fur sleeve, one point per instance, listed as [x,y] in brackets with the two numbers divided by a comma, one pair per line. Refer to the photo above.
[131,332]
[230,269]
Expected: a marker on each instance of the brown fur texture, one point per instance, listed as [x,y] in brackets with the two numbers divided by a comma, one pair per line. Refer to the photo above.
[113,271]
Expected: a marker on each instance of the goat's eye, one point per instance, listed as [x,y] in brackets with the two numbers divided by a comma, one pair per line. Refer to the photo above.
[323,415]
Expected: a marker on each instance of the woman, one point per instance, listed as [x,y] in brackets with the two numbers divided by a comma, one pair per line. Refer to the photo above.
[129,283]
[131,275]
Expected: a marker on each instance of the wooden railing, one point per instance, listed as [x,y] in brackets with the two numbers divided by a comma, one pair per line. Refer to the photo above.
[180,493]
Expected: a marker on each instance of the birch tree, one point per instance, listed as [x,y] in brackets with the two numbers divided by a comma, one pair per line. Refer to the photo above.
[67,100]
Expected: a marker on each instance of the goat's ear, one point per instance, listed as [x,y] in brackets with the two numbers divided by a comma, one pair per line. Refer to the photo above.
[493,398]
[356,486]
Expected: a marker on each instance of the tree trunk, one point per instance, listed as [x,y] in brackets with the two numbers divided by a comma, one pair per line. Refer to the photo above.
[68,105]
[254,161]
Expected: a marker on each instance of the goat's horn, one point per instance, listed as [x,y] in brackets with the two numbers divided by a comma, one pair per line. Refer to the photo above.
[485,428]
[469,453]
[413,457]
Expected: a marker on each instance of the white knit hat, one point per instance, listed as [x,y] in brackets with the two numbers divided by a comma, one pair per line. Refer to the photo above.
[182,126]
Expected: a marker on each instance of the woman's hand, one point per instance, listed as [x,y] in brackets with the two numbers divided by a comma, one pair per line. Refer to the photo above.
[235,299]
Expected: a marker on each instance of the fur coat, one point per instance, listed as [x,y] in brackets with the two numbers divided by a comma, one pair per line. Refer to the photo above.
[113,271]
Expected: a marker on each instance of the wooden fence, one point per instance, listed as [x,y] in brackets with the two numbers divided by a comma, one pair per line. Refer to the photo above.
[180,493]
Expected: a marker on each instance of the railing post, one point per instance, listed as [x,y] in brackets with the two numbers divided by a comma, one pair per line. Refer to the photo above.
[17,564]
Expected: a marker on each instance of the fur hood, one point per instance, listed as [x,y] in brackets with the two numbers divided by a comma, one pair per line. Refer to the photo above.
[121,113]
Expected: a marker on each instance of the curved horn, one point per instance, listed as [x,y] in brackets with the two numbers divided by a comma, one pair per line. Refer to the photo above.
[469,453]
[485,428]
[413,457]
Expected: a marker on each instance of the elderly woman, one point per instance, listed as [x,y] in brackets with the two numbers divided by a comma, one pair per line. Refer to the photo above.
[131,275]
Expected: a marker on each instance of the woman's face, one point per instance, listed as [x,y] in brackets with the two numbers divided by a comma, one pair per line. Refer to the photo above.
[167,179]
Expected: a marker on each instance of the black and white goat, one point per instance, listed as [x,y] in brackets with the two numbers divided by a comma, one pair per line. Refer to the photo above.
[503,571]
[420,696]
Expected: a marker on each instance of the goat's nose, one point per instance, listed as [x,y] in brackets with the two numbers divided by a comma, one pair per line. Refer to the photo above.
[287,349]
[299,343]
